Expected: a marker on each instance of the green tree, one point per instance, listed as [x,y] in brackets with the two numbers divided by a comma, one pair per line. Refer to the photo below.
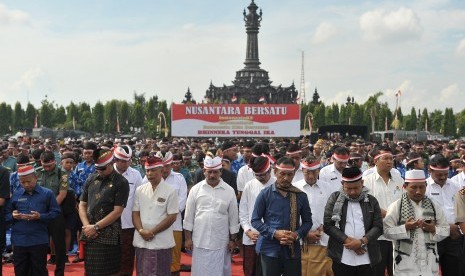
[47,113]
[335,107]
[448,123]
[138,115]
[411,121]
[371,107]
[319,116]
[436,121]
[152,108]
[139,98]
[125,121]
[60,116]
[111,116]
[86,121]
[460,119]
[424,119]
[6,115]
[18,117]
[30,116]
[343,118]
[72,112]
[329,115]
[98,117]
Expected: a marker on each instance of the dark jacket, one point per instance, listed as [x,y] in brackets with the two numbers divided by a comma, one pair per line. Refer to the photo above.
[373,228]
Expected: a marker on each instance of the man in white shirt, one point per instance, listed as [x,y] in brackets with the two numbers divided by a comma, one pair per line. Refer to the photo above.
[211,222]
[415,223]
[332,173]
[123,156]
[386,188]
[178,182]
[353,222]
[261,167]
[154,211]
[314,256]
[245,173]
[442,191]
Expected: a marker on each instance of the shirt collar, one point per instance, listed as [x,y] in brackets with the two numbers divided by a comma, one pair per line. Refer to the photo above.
[377,175]
[36,189]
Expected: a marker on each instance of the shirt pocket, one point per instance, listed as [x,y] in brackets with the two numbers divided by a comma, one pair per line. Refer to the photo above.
[221,207]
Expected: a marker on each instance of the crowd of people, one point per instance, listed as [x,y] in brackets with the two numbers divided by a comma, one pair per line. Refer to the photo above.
[288,206]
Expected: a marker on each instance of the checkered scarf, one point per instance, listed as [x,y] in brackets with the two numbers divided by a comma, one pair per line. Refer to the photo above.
[407,212]
[337,209]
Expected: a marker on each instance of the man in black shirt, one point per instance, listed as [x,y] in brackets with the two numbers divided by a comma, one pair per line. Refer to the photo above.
[102,202]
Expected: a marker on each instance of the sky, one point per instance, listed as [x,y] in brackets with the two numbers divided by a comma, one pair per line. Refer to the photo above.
[89,51]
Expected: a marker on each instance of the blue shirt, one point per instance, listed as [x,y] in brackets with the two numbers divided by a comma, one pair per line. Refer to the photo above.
[82,173]
[401,168]
[237,164]
[14,182]
[73,183]
[274,209]
[34,232]
[10,164]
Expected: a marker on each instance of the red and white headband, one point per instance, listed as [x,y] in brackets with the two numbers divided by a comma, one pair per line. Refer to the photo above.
[413,160]
[293,152]
[341,158]
[311,166]
[121,154]
[285,167]
[352,179]
[438,169]
[152,165]
[212,163]
[25,170]
[382,155]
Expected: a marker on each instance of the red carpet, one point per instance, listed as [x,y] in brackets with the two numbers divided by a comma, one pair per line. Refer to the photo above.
[78,269]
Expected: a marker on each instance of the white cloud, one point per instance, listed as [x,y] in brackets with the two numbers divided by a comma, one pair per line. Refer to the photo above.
[449,93]
[461,49]
[324,32]
[12,17]
[382,25]
[30,78]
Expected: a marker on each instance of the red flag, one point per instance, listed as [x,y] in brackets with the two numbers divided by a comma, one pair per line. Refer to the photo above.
[117,124]
[36,125]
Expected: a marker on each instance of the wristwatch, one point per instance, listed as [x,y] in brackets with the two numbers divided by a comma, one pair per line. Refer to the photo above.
[96,227]
[364,245]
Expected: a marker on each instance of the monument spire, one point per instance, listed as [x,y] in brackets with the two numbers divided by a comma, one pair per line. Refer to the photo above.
[252,25]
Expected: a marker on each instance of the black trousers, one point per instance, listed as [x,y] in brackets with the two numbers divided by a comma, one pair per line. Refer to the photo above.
[280,266]
[56,230]
[31,260]
[451,256]
[386,258]
[340,269]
